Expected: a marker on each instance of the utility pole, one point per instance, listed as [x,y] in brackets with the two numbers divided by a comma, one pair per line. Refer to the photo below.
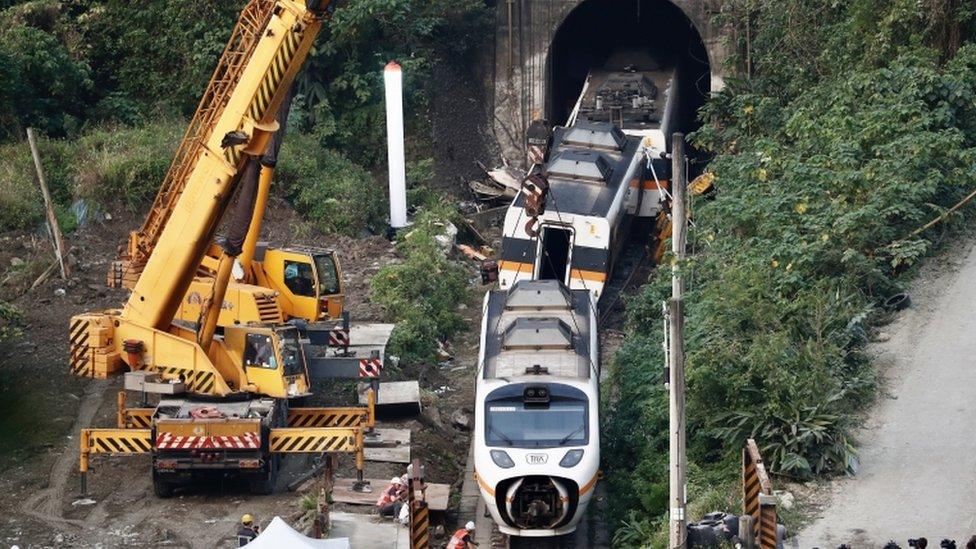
[677,532]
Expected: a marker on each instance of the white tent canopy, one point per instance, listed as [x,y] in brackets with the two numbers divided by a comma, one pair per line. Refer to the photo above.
[278,534]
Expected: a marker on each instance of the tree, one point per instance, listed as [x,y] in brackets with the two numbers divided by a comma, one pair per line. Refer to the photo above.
[41,85]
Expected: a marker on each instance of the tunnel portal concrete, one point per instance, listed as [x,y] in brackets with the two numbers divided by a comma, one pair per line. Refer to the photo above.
[535,39]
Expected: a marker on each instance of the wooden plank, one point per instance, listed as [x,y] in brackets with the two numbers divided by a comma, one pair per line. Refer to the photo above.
[60,250]
[438,495]
[393,393]
[393,446]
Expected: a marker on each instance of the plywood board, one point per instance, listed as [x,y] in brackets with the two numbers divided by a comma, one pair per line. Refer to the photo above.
[368,531]
[438,495]
[393,446]
[394,393]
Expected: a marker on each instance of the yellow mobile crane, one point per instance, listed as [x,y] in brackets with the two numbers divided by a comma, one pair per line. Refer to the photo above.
[224,398]
[268,284]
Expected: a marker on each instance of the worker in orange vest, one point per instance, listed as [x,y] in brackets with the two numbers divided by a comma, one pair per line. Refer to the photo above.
[463,538]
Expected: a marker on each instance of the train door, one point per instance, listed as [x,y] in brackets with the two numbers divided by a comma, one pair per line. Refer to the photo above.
[555,254]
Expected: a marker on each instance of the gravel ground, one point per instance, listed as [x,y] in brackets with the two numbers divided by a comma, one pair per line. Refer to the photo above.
[918,455]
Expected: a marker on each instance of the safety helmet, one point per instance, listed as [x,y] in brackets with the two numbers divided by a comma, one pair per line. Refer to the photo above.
[469,526]
[247,519]
[395,480]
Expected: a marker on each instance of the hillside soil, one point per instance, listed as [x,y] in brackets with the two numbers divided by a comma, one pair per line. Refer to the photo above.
[42,407]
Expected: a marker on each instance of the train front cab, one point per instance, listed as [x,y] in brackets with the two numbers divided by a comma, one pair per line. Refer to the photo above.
[537,454]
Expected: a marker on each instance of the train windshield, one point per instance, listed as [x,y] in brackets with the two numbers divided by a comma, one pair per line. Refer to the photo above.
[511,422]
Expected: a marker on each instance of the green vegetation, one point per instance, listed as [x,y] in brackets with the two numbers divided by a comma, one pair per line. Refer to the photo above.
[856,126]
[106,165]
[422,293]
[10,321]
[331,192]
[110,83]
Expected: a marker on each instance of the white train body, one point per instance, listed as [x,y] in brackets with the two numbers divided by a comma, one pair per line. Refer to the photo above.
[537,426]
[537,421]
[603,166]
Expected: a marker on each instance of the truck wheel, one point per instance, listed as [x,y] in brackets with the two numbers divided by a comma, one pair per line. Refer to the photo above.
[264,485]
[162,488]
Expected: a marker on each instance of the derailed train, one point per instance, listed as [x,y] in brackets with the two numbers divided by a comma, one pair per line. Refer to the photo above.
[603,169]
[537,429]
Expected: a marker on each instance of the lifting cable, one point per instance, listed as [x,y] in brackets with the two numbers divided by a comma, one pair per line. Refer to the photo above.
[517,273]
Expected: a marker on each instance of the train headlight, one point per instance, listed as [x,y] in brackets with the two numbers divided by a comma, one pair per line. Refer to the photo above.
[571,459]
[502,459]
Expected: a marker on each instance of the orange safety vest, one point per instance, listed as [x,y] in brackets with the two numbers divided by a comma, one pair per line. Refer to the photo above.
[457,540]
[388,496]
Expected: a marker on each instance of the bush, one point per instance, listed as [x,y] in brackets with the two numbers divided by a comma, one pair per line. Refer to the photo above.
[421,294]
[329,190]
[342,85]
[41,85]
[157,54]
[115,164]
[809,231]
[105,165]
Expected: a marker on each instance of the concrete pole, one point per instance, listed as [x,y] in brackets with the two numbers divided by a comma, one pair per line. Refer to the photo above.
[393,80]
[676,528]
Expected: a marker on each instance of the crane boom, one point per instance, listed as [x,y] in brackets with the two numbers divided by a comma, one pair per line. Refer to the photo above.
[230,131]
[265,52]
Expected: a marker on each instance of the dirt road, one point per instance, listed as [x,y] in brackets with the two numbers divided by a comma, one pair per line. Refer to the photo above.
[918,449]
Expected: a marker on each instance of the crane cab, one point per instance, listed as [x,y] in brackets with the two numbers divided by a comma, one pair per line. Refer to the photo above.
[308,281]
[278,285]
[272,359]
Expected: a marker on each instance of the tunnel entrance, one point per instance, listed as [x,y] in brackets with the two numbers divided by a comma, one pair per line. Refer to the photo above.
[604,34]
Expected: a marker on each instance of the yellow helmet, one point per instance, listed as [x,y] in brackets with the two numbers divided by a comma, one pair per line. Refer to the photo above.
[247,519]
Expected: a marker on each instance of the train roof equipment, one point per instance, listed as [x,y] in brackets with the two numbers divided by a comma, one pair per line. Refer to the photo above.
[539,328]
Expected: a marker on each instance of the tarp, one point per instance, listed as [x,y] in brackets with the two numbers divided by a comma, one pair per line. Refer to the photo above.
[278,534]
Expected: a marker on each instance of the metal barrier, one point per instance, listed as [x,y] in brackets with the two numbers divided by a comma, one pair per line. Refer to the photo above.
[419,513]
[133,418]
[328,417]
[758,500]
[110,441]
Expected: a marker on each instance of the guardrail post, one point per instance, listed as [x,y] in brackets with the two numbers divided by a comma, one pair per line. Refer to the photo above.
[767,522]
[758,501]
[121,404]
[419,512]
[83,461]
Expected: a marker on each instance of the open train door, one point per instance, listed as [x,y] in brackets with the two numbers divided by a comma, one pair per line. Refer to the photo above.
[555,253]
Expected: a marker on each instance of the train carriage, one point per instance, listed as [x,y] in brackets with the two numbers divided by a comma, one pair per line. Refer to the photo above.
[603,169]
[536,435]
[537,440]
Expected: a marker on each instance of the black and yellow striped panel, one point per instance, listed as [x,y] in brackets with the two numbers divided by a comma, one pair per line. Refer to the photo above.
[233,155]
[419,525]
[138,418]
[767,526]
[200,382]
[327,417]
[273,77]
[750,491]
[118,441]
[312,440]
[79,362]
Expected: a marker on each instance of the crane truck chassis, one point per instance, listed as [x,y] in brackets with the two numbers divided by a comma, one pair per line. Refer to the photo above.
[244,439]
